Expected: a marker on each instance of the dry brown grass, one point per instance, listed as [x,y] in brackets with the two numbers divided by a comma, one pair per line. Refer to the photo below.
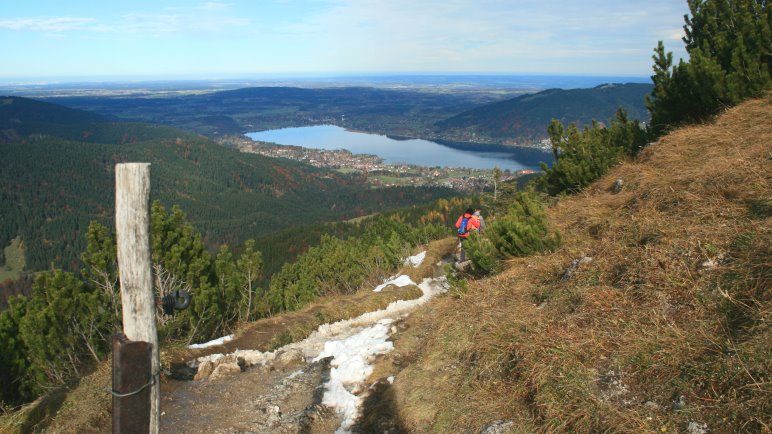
[83,407]
[642,325]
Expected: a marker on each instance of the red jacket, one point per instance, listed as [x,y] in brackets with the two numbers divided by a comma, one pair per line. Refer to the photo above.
[472,224]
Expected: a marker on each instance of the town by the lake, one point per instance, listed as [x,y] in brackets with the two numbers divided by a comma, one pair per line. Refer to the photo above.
[379,173]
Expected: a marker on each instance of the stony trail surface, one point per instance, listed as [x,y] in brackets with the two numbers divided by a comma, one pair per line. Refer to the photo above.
[313,386]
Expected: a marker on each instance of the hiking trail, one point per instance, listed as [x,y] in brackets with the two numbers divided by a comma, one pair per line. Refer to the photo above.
[316,385]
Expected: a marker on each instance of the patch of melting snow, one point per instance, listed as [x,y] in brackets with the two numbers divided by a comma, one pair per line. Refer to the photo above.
[353,352]
[351,365]
[353,343]
[400,281]
[416,260]
[218,341]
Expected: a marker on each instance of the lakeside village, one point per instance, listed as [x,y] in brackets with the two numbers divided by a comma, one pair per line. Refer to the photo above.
[378,173]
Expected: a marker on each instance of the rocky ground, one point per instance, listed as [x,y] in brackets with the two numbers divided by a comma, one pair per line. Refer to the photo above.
[318,385]
[283,396]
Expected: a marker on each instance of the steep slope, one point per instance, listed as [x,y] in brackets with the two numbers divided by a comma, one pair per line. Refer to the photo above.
[665,329]
[55,177]
[525,118]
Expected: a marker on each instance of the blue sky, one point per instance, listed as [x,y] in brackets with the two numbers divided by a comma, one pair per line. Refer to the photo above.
[167,39]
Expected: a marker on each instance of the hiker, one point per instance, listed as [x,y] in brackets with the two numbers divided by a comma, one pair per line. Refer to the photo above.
[480,220]
[464,224]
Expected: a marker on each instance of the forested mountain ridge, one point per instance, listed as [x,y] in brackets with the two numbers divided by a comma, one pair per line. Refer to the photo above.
[21,116]
[481,118]
[526,117]
[397,112]
[18,111]
[56,177]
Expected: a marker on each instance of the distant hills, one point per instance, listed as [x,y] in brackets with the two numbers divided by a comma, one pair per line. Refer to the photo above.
[456,116]
[397,112]
[56,175]
[525,118]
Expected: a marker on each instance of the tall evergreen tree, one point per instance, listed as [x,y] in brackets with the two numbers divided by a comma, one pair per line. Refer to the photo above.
[101,264]
[730,48]
[250,265]
[15,387]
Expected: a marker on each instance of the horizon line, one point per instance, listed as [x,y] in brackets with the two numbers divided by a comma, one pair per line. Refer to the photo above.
[212,78]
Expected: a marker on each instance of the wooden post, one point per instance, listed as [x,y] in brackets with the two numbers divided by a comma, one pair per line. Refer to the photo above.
[132,227]
[131,393]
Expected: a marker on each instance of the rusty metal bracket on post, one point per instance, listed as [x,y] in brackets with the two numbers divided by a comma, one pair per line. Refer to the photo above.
[132,376]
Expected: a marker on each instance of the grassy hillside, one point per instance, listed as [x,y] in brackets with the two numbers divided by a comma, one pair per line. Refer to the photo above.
[666,329]
[526,117]
[56,177]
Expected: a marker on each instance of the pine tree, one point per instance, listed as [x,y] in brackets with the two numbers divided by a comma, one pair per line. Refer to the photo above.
[496,180]
[730,47]
[250,266]
[65,323]
[15,387]
[483,254]
[523,230]
[229,280]
[582,157]
[101,265]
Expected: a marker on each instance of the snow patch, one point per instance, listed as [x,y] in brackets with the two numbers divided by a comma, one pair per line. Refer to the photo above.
[218,341]
[400,281]
[353,344]
[351,366]
[354,347]
[416,260]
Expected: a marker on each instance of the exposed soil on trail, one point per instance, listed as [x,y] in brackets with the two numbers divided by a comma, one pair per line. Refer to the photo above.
[283,391]
[259,400]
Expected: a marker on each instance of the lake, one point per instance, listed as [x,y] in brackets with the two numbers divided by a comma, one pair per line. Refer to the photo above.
[411,151]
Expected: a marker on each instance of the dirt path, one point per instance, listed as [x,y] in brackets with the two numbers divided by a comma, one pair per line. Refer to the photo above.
[286,399]
[283,391]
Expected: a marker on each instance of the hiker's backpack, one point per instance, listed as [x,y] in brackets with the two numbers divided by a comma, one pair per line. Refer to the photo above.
[462,229]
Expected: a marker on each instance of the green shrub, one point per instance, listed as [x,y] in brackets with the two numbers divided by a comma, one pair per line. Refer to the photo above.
[483,254]
[581,157]
[523,230]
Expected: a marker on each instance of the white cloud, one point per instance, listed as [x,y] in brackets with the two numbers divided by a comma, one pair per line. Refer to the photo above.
[214,6]
[178,23]
[54,24]
[202,18]
[487,35]
[674,35]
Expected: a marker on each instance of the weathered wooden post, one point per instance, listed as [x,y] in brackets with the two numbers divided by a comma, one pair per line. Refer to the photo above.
[132,226]
[131,385]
